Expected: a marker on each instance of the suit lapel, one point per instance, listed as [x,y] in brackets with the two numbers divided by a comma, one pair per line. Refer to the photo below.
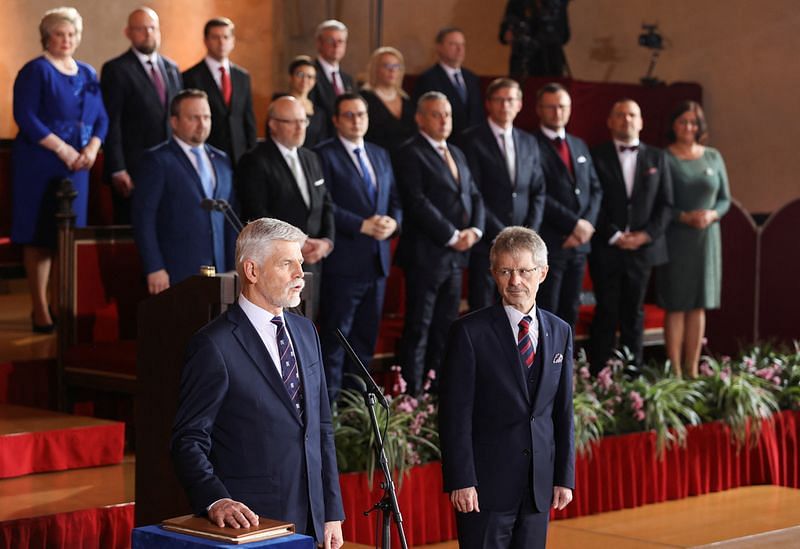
[188,167]
[505,339]
[380,185]
[612,159]
[641,163]
[346,160]
[211,87]
[220,189]
[552,157]
[545,346]
[312,188]
[146,85]
[251,342]
[274,157]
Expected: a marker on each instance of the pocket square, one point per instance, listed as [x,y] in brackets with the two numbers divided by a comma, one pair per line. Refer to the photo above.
[319,182]
[558,358]
[581,159]
[651,171]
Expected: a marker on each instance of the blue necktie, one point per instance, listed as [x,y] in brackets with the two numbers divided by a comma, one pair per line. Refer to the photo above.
[217,218]
[460,87]
[289,373]
[202,170]
[365,176]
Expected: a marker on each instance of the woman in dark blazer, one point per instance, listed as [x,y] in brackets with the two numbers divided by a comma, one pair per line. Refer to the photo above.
[391,113]
[62,122]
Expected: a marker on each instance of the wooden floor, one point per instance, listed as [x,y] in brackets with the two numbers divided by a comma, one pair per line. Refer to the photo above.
[759,516]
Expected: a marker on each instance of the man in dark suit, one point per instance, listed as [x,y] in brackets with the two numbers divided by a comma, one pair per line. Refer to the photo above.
[459,84]
[281,179]
[571,206]
[331,81]
[138,87]
[444,218]
[629,241]
[505,163]
[253,431]
[505,413]
[360,179]
[233,123]
[173,233]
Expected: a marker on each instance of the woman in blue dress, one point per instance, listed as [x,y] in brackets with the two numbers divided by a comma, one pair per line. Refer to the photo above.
[62,122]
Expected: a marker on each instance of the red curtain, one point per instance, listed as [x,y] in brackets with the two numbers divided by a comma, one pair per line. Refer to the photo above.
[102,528]
[621,472]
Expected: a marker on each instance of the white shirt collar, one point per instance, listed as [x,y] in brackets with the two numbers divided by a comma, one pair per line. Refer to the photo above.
[285,151]
[618,144]
[435,144]
[450,70]
[255,314]
[328,68]
[496,130]
[552,134]
[187,148]
[214,65]
[350,146]
[144,58]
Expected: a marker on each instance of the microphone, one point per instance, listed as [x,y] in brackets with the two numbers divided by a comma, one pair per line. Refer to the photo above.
[222,205]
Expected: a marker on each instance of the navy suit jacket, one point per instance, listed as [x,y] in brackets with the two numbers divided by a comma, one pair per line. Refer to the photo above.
[648,209]
[520,202]
[357,255]
[171,230]
[266,187]
[233,129]
[137,119]
[237,435]
[435,205]
[569,198]
[464,114]
[492,432]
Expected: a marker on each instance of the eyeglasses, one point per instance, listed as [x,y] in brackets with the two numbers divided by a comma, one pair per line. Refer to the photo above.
[525,274]
[392,66]
[300,122]
[306,75]
[350,115]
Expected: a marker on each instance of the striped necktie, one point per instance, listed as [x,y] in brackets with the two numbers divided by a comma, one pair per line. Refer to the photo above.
[289,373]
[524,342]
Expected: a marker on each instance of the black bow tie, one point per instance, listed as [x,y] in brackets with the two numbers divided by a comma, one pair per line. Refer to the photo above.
[632,148]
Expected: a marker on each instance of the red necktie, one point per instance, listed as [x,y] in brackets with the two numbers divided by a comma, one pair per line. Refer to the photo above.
[337,88]
[155,74]
[225,85]
[563,152]
[524,343]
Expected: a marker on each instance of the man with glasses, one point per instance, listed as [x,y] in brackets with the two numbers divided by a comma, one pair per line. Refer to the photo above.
[331,81]
[505,413]
[361,182]
[571,206]
[281,179]
[504,161]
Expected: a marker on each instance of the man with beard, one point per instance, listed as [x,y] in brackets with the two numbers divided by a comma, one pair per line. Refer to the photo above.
[138,87]
[253,432]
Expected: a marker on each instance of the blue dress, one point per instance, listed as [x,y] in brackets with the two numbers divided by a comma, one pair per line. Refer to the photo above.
[70,106]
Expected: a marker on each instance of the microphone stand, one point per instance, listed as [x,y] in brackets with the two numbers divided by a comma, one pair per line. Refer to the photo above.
[388,504]
[222,205]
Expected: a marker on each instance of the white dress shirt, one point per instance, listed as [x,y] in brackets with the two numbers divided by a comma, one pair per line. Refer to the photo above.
[451,74]
[627,161]
[328,68]
[290,155]
[552,134]
[514,317]
[214,65]
[261,319]
[349,146]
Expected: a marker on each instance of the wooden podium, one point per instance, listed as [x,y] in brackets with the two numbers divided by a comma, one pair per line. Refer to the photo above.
[166,323]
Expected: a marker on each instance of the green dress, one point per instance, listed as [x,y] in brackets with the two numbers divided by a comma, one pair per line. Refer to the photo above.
[692,278]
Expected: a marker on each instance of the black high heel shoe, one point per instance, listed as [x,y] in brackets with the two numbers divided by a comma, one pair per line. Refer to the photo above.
[43,328]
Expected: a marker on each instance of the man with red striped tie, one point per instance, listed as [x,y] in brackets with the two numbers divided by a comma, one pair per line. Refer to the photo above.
[506,384]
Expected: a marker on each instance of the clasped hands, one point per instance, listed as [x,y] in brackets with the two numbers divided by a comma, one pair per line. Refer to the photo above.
[466,240]
[581,234]
[699,219]
[379,227]
[315,249]
[465,500]
[632,240]
[82,160]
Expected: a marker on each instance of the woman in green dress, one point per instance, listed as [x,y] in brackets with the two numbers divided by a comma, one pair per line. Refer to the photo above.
[691,282]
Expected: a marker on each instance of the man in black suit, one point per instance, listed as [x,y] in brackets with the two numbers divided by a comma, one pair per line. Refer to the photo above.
[360,179]
[571,206]
[233,124]
[505,164]
[331,81]
[280,179]
[629,241]
[137,89]
[460,85]
[444,219]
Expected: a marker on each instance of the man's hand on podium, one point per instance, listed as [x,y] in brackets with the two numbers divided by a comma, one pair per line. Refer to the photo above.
[227,512]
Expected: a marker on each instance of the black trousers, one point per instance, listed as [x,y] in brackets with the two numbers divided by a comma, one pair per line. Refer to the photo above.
[482,288]
[560,293]
[521,528]
[432,299]
[620,284]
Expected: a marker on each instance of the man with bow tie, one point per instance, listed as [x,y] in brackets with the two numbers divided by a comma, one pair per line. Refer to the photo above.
[571,205]
[505,415]
[629,241]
